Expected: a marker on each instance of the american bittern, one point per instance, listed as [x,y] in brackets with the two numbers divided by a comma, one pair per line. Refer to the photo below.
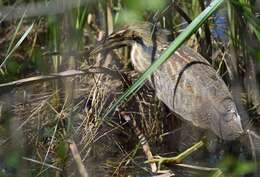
[186,83]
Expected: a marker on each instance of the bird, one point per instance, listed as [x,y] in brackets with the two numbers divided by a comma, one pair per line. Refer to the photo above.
[186,83]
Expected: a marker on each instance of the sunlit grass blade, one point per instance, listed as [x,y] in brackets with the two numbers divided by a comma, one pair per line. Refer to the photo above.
[191,28]
[13,38]
[15,33]
[17,44]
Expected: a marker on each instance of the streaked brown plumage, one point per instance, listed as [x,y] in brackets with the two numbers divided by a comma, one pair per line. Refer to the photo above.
[186,83]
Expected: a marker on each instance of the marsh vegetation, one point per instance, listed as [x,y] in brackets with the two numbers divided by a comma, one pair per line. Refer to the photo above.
[54,95]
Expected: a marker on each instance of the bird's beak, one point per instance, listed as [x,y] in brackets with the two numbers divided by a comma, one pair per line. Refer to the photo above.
[113,41]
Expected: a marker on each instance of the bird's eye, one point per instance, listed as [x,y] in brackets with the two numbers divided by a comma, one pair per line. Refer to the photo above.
[139,40]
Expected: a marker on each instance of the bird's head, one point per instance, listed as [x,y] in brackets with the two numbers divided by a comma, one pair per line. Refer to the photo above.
[145,40]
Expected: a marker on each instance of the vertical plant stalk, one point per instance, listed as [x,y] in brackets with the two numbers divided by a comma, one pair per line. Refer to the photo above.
[244,81]
[207,45]
[76,155]
[142,139]
[110,28]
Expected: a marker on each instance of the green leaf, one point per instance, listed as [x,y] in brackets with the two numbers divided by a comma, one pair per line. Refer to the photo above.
[12,67]
[129,16]
[13,159]
[244,168]
[141,5]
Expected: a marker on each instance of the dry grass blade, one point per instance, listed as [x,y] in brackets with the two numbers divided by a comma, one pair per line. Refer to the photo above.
[67,73]
[17,44]
[142,139]
[216,171]
[77,158]
[41,163]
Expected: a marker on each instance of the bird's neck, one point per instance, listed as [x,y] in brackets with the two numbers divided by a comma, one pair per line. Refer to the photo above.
[141,57]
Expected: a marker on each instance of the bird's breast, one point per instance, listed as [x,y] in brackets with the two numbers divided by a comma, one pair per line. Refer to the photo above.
[141,57]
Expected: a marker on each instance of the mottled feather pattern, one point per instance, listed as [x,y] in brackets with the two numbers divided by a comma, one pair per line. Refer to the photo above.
[201,97]
[186,83]
[190,87]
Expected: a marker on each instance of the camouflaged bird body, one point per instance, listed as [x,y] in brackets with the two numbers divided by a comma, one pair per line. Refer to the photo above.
[198,94]
[186,83]
[191,88]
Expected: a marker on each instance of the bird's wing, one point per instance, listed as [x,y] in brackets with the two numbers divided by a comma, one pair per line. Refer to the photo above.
[189,86]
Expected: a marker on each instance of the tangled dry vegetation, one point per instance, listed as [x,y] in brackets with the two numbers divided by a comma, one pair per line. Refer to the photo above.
[53,125]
